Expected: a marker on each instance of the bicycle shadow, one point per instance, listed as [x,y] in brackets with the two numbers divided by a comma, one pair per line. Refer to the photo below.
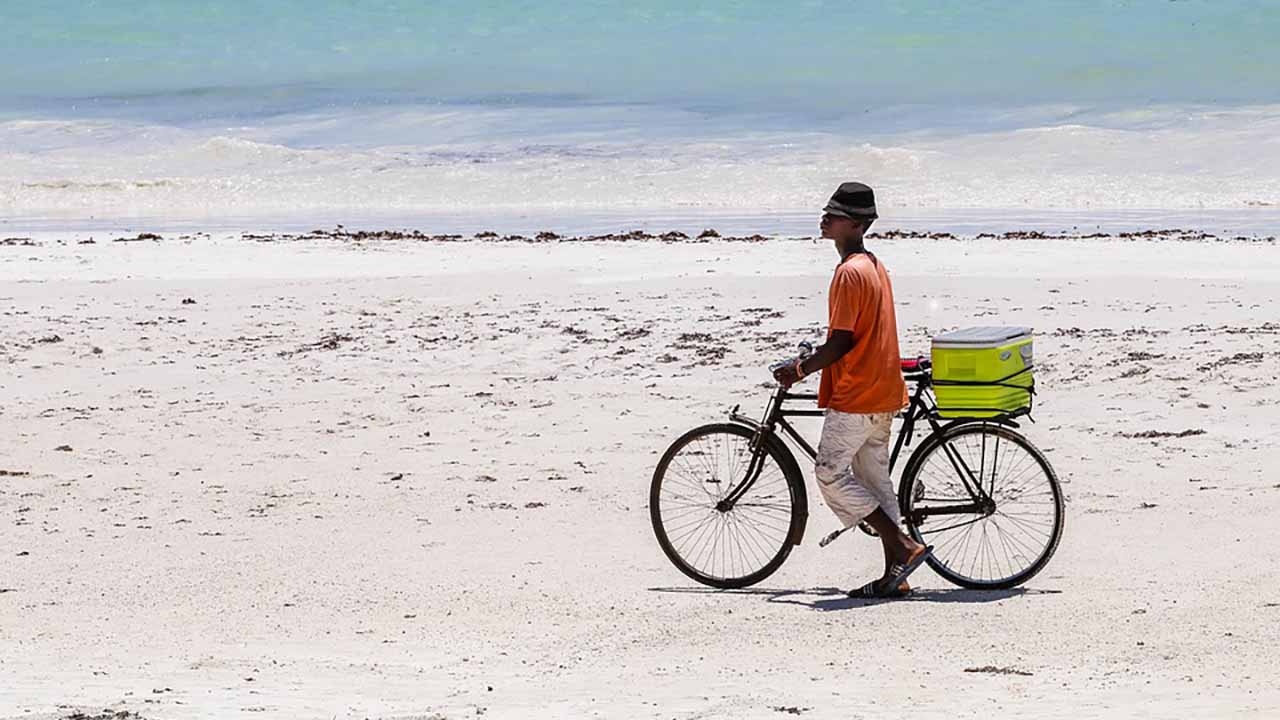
[828,599]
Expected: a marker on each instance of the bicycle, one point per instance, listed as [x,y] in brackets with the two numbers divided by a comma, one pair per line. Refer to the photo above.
[728,502]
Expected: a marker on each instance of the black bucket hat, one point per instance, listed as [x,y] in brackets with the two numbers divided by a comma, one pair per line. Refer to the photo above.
[852,200]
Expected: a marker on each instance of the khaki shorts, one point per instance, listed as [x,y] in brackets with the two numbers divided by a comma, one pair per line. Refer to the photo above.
[853,465]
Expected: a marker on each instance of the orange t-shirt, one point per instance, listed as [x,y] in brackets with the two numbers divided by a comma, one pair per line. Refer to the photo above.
[868,379]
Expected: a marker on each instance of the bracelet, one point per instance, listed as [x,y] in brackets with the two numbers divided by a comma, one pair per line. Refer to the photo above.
[799,368]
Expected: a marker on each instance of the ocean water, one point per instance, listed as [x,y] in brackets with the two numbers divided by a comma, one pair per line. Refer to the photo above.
[231,111]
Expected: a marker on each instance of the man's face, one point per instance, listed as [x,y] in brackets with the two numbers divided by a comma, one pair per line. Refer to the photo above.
[841,229]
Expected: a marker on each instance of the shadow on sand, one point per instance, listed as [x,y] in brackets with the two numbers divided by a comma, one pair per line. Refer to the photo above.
[829,598]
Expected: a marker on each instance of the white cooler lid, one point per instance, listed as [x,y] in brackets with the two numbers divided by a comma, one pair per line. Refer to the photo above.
[980,337]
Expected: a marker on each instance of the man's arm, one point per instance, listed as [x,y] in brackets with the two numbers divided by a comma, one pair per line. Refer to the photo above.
[840,342]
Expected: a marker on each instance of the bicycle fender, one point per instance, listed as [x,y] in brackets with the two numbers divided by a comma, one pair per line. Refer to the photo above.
[802,497]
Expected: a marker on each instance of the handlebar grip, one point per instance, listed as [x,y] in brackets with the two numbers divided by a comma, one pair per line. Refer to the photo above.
[915,364]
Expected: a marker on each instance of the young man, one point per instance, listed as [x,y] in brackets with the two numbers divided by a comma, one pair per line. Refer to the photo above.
[862,390]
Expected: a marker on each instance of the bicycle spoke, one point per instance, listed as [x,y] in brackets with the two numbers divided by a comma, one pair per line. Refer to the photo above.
[775,524]
[933,530]
[1025,544]
[746,542]
[691,528]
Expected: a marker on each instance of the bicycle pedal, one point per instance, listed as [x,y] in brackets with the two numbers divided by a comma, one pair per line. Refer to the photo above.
[830,537]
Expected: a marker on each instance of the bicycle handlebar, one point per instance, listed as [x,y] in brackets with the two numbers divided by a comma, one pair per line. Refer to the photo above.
[805,350]
[910,366]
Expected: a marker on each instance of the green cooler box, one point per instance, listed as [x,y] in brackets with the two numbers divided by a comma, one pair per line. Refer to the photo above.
[983,372]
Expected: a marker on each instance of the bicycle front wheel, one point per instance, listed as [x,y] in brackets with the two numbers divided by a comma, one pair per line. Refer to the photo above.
[726,547]
[1000,544]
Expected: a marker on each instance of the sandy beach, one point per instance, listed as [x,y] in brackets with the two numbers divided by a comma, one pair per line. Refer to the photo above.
[325,478]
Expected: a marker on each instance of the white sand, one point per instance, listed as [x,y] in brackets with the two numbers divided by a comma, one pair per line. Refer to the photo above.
[445,516]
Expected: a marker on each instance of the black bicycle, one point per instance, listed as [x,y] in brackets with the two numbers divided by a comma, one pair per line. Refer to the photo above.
[728,500]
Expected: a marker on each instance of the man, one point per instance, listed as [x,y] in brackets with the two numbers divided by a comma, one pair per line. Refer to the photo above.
[862,390]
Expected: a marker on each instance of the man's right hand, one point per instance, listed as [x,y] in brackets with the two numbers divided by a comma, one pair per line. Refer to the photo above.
[787,375]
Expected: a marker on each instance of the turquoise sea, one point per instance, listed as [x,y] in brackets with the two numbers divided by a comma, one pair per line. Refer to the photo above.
[222,108]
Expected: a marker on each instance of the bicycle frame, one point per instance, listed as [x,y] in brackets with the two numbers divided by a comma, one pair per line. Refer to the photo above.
[921,407]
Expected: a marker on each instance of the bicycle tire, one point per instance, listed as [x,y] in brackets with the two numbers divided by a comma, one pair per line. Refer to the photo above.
[1024,533]
[767,545]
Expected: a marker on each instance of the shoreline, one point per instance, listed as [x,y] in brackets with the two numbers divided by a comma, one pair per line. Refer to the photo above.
[709,235]
[1252,221]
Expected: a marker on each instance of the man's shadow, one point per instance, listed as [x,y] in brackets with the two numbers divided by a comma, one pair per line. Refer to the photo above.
[827,599]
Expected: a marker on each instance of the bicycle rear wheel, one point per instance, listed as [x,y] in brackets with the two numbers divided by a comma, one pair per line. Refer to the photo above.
[998,546]
[734,547]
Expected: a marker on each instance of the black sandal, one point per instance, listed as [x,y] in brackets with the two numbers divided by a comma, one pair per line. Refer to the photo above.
[877,590]
[901,571]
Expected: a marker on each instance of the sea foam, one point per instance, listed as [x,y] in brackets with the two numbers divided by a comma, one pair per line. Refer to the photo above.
[425,160]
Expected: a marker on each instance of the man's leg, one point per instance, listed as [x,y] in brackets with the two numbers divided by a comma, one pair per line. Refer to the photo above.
[898,546]
[843,435]
[870,466]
